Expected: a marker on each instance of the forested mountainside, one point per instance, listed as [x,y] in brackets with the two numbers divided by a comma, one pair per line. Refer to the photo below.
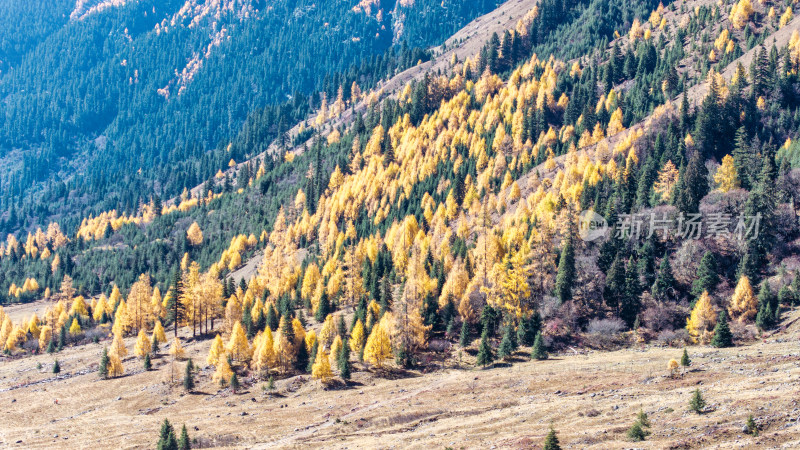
[107,104]
[456,211]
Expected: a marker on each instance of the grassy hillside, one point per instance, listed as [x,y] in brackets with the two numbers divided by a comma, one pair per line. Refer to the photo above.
[435,225]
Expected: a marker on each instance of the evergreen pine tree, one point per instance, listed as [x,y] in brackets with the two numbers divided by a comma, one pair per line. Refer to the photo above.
[312,356]
[697,403]
[343,361]
[630,305]
[551,441]
[51,346]
[103,367]
[184,443]
[685,361]
[56,367]
[615,283]
[188,377]
[485,352]
[694,185]
[752,427]
[464,339]
[62,338]
[301,360]
[637,433]
[166,440]
[722,332]
[323,308]
[707,278]
[539,351]
[234,382]
[664,285]
[566,271]
[506,345]
[147,363]
[272,317]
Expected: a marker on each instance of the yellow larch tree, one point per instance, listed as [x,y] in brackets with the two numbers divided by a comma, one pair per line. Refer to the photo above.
[378,347]
[33,326]
[667,178]
[356,340]
[702,320]
[75,327]
[321,369]
[118,346]
[99,309]
[194,234]
[216,350]
[787,17]
[115,367]
[264,355]
[238,347]
[744,303]
[140,310]
[143,346]
[121,319]
[79,307]
[177,351]
[223,372]
[740,14]
[726,176]
[45,334]
[158,333]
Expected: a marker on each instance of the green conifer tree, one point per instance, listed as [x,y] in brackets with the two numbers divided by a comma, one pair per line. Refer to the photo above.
[464,338]
[188,378]
[685,361]
[566,271]
[697,403]
[184,443]
[166,439]
[343,361]
[722,332]
[103,367]
[707,278]
[506,345]
[551,441]
[539,351]
[485,353]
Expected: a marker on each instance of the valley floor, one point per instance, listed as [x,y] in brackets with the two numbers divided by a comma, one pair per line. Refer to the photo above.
[591,399]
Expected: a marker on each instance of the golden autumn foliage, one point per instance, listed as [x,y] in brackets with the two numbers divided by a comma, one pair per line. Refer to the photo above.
[726,176]
[158,333]
[378,347]
[667,178]
[176,350]
[216,350]
[238,347]
[194,234]
[143,345]
[787,17]
[740,14]
[223,372]
[321,369]
[75,328]
[702,320]
[744,303]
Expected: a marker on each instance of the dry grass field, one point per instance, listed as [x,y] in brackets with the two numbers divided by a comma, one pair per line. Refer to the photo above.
[591,399]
